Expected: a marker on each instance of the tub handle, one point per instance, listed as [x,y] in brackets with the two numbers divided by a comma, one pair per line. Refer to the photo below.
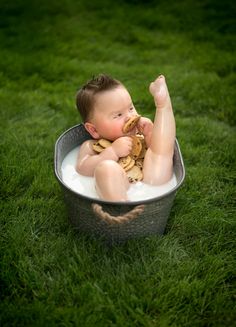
[132,214]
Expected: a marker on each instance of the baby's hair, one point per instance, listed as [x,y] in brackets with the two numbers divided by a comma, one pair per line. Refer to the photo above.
[85,97]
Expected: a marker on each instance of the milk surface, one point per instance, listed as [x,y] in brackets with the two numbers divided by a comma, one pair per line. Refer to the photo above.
[86,185]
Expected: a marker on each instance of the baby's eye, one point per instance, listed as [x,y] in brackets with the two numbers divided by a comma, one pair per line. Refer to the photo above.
[117,115]
[131,108]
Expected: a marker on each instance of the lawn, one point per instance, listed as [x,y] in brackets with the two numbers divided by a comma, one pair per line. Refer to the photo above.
[51,276]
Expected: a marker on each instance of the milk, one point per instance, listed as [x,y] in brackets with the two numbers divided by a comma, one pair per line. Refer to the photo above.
[86,185]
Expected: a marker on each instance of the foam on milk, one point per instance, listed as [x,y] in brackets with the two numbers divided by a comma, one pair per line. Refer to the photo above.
[86,185]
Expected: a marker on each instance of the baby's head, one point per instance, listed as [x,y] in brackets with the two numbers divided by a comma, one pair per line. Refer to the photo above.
[105,106]
[85,98]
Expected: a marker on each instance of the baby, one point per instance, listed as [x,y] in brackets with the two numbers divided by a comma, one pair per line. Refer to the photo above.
[105,106]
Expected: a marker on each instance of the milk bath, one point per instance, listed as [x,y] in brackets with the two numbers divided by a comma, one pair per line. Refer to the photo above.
[86,185]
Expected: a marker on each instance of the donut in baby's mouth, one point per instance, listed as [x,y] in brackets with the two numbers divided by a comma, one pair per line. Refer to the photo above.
[131,123]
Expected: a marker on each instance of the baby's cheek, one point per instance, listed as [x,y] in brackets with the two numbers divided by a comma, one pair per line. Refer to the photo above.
[108,130]
[116,130]
[119,128]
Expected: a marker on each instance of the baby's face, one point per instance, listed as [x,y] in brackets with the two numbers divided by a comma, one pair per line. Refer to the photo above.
[111,110]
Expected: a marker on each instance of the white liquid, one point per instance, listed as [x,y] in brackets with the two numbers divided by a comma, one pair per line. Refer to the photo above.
[86,185]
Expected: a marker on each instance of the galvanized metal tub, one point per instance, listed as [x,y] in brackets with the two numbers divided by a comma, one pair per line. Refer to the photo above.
[115,222]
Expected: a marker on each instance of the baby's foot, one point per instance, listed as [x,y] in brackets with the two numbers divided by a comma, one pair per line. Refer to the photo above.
[159,90]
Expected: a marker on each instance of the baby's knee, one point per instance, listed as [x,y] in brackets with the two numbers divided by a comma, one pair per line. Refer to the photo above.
[106,169]
[111,181]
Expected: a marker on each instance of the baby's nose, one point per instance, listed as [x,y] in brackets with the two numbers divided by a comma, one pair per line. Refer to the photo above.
[129,115]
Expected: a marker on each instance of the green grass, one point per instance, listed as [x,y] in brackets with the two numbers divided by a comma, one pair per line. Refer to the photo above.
[48,275]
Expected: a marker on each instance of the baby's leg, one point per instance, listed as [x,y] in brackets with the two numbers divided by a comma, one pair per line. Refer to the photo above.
[158,162]
[111,181]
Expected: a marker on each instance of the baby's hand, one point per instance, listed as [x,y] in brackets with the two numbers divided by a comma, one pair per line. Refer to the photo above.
[122,146]
[145,126]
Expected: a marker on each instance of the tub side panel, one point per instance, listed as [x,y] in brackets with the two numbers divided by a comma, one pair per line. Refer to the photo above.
[151,221]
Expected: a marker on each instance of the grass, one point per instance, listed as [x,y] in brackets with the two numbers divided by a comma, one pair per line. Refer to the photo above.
[51,277]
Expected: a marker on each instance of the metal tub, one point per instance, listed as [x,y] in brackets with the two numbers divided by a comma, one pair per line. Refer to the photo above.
[115,222]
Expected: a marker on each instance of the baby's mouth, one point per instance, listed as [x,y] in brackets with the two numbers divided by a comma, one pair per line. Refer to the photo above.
[133,131]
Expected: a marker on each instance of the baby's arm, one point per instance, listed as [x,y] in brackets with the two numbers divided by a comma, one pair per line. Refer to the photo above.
[88,159]
[145,127]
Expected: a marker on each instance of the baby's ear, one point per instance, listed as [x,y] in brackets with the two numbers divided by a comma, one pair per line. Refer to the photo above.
[92,130]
